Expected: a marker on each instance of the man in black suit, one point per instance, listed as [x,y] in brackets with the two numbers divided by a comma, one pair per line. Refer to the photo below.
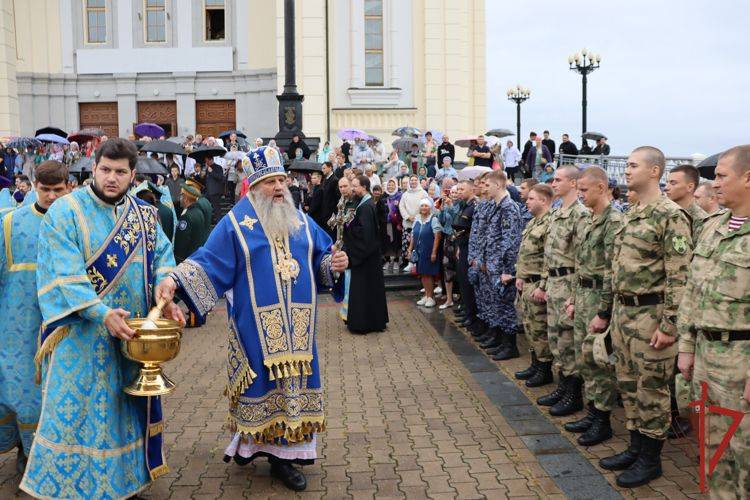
[567,147]
[329,198]
[527,147]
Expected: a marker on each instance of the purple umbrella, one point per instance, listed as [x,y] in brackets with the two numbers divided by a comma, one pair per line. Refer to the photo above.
[351,134]
[149,130]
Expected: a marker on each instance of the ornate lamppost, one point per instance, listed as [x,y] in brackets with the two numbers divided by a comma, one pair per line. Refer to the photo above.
[518,95]
[583,63]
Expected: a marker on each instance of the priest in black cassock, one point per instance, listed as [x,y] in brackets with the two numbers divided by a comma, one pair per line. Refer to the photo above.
[368,310]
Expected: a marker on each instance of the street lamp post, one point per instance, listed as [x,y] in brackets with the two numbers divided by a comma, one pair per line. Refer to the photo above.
[518,95]
[583,63]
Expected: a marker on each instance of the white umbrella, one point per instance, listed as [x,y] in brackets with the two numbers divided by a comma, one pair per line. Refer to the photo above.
[471,173]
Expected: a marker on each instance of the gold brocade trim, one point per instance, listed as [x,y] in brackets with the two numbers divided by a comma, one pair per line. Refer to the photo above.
[12,267]
[240,374]
[62,281]
[244,380]
[155,429]
[87,450]
[278,429]
[46,349]
[158,472]
[27,427]
[289,365]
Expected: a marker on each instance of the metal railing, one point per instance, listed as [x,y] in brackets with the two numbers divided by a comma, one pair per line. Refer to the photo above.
[615,165]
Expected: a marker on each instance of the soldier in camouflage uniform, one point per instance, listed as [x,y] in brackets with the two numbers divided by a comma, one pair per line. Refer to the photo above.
[497,259]
[591,304]
[714,322]
[529,271]
[480,328]
[565,230]
[682,182]
[649,270]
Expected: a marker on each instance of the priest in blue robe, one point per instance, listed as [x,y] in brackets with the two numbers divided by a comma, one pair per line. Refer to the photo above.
[100,252]
[269,260]
[20,396]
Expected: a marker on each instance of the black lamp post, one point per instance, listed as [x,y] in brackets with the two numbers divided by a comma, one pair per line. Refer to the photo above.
[518,95]
[583,63]
[290,101]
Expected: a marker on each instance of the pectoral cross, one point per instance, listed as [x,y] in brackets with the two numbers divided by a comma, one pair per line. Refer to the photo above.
[339,220]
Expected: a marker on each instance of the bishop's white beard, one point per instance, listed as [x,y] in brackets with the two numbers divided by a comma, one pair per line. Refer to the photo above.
[278,218]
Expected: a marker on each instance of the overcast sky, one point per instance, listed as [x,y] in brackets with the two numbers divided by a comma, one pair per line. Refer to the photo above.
[674,74]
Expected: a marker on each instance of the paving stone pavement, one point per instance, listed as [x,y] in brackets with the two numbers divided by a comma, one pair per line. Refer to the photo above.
[410,414]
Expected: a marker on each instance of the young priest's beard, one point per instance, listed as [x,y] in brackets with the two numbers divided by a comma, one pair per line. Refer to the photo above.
[278,218]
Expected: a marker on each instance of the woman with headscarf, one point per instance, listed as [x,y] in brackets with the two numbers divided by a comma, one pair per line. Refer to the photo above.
[425,251]
[393,227]
[409,209]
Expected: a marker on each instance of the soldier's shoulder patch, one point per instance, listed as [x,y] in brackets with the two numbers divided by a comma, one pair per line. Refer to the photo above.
[680,244]
[182,225]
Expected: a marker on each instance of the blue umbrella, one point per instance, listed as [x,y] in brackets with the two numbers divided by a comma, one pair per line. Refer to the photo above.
[351,134]
[21,143]
[149,130]
[52,138]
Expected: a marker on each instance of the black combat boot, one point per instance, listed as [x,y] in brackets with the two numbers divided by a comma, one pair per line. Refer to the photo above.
[494,350]
[623,460]
[572,401]
[495,339]
[530,371]
[600,430]
[646,468]
[553,397]
[509,350]
[543,375]
[582,425]
[287,474]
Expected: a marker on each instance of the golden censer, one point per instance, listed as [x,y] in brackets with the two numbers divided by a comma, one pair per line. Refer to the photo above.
[156,341]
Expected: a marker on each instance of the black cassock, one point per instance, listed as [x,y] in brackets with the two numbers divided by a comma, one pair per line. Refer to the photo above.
[368,310]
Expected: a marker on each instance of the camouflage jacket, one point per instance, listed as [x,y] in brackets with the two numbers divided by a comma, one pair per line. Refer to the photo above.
[652,252]
[502,238]
[594,251]
[717,296]
[531,253]
[565,229]
[697,218]
[478,227]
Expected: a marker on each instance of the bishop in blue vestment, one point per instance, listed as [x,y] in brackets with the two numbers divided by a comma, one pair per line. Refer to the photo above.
[269,260]
[100,252]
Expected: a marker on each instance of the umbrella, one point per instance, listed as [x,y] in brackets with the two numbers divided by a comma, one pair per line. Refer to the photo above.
[227,133]
[21,143]
[707,167]
[465,142]
[85,134]
[150,166]
[163,147]
[352,133]
[499,132]
[149,130]
[201,153]
[52,138]
[82,165]
[405,143]
[305,166]
[594,136]
[52,130]
[470,173]
[407,131]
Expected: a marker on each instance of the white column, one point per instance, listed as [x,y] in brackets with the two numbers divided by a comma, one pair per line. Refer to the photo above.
[392,52]
[185,96]
[357,40]
[183,9]
[124,23]
[241,34]
[66,36]
[127,105]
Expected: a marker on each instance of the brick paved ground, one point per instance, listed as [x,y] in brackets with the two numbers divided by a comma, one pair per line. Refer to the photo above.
[405,419]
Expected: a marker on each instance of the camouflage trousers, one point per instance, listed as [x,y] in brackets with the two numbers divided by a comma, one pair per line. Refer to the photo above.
[723,367]
[600,384]
[496,305]
[559,326]
[643,373]
[535,323]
